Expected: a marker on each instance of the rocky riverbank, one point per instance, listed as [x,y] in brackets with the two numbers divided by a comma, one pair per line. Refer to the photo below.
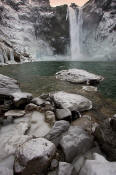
[57,133]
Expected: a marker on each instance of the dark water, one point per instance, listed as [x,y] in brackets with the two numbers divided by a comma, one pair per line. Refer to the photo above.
[38,77]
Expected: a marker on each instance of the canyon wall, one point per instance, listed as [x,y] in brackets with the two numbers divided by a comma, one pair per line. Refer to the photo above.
[99,29]
[30,29]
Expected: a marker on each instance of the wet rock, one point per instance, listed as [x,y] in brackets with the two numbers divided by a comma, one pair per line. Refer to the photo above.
[73,102]
[79,76]
[50,117]
[38,101]
[21,99]
[35,155]
[15,113]
[98,166]
[56,132]
[5,171]
[75,142]
[66,169]
[105,134]
[63,114]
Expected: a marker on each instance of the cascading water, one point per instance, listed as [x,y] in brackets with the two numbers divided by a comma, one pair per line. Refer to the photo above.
[75,32]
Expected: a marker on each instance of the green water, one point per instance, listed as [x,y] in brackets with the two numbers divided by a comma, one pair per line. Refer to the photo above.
[38,77]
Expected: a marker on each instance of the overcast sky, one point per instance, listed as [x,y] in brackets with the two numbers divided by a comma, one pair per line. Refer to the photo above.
[59,2]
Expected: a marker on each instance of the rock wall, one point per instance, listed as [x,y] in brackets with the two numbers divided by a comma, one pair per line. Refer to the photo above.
[33,29]
[99,29]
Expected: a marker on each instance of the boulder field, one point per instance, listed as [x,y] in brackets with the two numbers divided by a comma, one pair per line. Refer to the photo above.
[53,134]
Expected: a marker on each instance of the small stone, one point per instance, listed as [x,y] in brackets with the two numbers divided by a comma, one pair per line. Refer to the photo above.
[50,117]
[66,169]
[38,101]
[54,164]
[15,113]
[63,114]
[31,107]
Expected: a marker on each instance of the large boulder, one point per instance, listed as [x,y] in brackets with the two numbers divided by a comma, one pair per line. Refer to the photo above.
[70,101]
[38,126]
[34,156]
[5,171]
[105,135]
[7,87]
[98,166]
[75,142]
[66,169]
[56,132]
[79,76]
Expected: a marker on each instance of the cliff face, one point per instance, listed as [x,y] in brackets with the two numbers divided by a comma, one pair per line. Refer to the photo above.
[30,29]
[99,28]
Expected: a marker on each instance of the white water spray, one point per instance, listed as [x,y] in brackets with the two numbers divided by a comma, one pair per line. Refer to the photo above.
[75,32]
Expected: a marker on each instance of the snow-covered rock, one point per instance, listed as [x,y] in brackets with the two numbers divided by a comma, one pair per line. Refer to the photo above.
[75,142]
[89,88]
[5,171]
[21,99]
[79,76]
[35,155]
[15,113]
[39,127]
[38,101]
[70,101]
[8,85]
[98,166]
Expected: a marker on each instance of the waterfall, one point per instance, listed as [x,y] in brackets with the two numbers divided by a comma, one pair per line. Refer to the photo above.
[75,32]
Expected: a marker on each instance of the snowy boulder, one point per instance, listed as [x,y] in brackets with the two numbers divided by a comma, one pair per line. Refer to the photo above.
[66,169]
[75,142]
[70,101]
[21,99]
[79,76]
[5,171]
[8,85]
[56,132]
[98,166]
[38,126]
[34,156]
[15,113]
